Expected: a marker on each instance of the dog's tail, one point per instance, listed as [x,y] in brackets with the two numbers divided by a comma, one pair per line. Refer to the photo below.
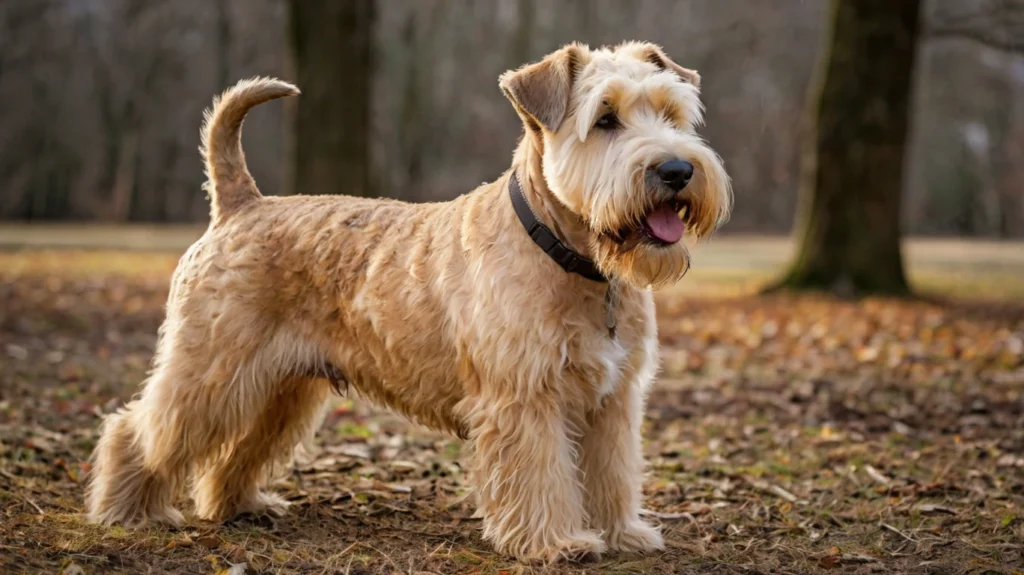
[229,184]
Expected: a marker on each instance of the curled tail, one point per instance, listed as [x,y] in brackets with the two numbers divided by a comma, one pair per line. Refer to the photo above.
[229,184]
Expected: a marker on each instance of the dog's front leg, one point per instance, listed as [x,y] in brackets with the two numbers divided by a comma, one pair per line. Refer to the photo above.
[612,463]
[527,481]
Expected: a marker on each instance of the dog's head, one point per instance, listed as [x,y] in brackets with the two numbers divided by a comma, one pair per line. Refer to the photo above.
[616,131]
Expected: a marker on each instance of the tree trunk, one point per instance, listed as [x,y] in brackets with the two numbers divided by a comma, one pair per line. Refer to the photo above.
[851,187]
[332,44]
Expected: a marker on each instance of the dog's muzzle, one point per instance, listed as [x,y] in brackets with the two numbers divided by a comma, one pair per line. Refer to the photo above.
[670,215]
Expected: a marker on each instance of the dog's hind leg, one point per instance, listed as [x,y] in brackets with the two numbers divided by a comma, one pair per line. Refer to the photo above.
[229,484]
[189,408]
[139,462]
[122,488]
[200,400]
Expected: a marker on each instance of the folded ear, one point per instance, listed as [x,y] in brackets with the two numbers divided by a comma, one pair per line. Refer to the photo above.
[540,92]
[655,55]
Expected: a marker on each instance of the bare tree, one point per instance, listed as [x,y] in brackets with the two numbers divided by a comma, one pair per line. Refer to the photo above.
[849,219]
[129,74]
[994,29]
[35,162]
[101,99]
[331,43]
[997,24]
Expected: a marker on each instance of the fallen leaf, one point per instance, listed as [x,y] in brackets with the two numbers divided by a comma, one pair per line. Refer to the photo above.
[209,541]
[829,561]
[932,508]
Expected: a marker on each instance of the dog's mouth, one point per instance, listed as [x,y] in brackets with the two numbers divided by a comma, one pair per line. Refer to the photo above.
[664,225]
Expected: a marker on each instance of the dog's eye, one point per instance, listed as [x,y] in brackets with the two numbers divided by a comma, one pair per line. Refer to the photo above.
[608,121]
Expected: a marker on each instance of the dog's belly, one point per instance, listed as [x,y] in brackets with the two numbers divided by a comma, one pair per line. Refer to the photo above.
[427,403]
[408,370]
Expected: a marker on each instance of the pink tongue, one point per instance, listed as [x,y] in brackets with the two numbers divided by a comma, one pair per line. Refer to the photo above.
[665,224]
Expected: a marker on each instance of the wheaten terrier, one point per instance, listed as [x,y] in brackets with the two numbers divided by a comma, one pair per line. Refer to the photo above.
[518,316]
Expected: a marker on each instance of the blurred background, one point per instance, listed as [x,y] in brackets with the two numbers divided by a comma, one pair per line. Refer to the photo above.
[102,99]
[876,149]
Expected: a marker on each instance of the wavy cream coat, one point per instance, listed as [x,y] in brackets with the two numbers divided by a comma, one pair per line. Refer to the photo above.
[447,313]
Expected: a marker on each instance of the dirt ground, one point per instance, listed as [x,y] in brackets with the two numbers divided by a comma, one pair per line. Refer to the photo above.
[785,434]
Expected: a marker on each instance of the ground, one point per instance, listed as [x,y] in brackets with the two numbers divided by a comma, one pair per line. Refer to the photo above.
[785,434]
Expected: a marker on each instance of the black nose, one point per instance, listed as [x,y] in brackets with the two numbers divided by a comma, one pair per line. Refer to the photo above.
[676,174]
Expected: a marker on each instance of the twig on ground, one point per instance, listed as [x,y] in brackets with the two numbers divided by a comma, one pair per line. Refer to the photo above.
[857,559]
[897,531]
[33,504]
[661,515]
[327,563]
[382,554]
[931,508]
[440,546]
[773,489]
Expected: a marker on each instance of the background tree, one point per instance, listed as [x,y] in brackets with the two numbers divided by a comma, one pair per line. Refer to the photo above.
[852,182]
[100,101]
[332,46]
[981,184]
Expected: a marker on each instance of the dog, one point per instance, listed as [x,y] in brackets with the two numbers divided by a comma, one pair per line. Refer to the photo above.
[518,316]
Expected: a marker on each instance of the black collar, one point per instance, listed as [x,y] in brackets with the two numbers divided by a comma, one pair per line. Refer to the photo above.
[541,235]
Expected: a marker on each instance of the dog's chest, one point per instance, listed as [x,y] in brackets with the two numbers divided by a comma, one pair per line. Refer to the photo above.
[612,358]
[601,359]
[604,358]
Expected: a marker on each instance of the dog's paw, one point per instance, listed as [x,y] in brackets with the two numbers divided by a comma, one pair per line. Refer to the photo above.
[255,505]
[128,518]
[264,503]
[582,546]
[168,516]
[635,536]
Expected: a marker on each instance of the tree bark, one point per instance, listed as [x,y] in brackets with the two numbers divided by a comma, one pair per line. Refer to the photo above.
[332,46]
[849,215]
